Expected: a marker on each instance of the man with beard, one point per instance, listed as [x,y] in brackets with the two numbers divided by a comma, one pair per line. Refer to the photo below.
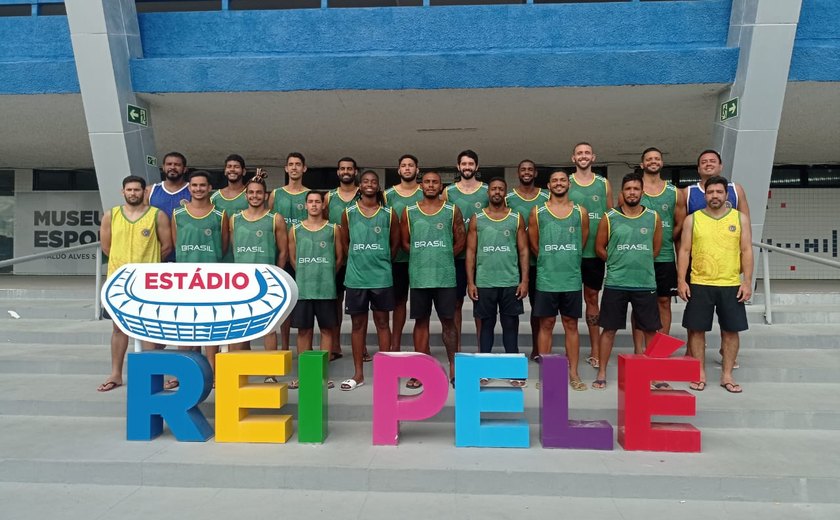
[399,197]
[719,242]
[433,234]
[290,202]
[173,191]
[232,199]
[666,200]
[558,231]
[629,238]
[133,233]
[497,270]
[523,199]
[371,238]
[470,196]
[594,193]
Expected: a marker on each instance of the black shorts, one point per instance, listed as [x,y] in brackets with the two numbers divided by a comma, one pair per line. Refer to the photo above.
[339,279]
[399,271]
[666,278]
[705,300]
[532,284]
[592,271]
[303,317]
[358,301]
[421,302]
[289,269]
[497,300]
[614,309]
[460,278]
[548,304]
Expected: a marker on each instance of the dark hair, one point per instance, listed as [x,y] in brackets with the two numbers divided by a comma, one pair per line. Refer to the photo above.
[523,161]
[717,179]
[257,179]
[582,143]
[179,155]
[651,149]
[296,155]
[409,156]
[559,170]
[135,178]
[235,157]
[380,197]
[468,153]
[704,152]
[314,192]
[497,179]
[433,172]
[200,173]
[630,177]
[348,159]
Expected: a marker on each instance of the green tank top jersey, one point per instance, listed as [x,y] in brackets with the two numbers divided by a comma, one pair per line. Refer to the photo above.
[398,203]
[231,207]
[523,206]
[431,263]
[369,254]
[336,206]
[665,205]
[496,255]
[558,262]
[630,251]
[315,273]
[254,241]
[291,206]
[468,203]
[593,197]
[199,239]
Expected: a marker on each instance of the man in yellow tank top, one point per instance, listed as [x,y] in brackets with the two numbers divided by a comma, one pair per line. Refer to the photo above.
[718,242]
[134,233]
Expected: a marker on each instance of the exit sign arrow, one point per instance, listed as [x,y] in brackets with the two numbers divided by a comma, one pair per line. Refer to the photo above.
[729,109]
[137,115]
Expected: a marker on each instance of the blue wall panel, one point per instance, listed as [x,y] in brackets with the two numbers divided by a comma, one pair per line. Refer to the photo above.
[36,56]
[816,52]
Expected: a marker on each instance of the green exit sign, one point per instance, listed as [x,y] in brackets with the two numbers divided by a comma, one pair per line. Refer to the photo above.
[729,109]
[137,115]
[151,160]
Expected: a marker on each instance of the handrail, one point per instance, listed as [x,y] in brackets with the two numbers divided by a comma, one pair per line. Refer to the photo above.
[51,252]
[765,265]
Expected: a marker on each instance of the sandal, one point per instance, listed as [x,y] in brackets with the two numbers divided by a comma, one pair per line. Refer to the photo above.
[599,384]
[518,383]
[172,384]
[270,379]
[294,384]
[697,386]
[593,362]
[367,358]
[413,384]
[577,385]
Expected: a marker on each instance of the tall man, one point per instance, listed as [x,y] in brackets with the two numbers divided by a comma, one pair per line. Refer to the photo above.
[497,270]
[316,250]
[629,238]
[290,202]
[523,199]
[232,198]
[594,193]
[433,234]
[558,232]
[371,240]
[398,197]
[200,233]
[131,233]
[719,242]
[470,196]
[668,202]
[258,236]
[173,191]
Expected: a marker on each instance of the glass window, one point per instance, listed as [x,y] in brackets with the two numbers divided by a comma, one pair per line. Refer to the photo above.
[7,216]
[64,180]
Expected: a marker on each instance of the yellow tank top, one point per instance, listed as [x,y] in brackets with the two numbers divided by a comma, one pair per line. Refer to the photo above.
[716,249]
[133,242]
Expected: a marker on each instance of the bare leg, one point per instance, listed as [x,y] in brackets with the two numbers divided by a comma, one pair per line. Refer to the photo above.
[383,330]
[546,336]
[570,327]
[304,341]
[421,335]
[664,313]
[270,341]
[459,305]
[119,346]
[285,332]
[399,325]
[638,336]
[730,342]
[535,337]
[593,312]
[607,341]
[450,342]
[357,340]
[211,358]
[339,309]
[697,349]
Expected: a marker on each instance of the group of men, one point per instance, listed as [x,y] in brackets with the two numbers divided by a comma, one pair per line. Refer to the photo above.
[361,249]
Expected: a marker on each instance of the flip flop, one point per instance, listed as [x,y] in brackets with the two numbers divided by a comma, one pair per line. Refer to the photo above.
[270,379]
[518,383]
[593,362]
[732,388]
[662,385]
[599,384]
[330,384]
[452,382]
[484,381]
[413,384]
[697,386]
[107,386]
[367,358]
[335,355]
[294,384]
[577,385]
[172,384]
[350,384]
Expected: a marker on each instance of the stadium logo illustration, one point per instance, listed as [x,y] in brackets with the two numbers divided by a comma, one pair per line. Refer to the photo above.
[198,304]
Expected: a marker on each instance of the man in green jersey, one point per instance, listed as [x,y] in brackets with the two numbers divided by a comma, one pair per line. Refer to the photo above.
[594,193]
[258,236]
[371,239]
[398,197]
[629,238]
[433,235]
[469,195]
[231,199]
[523,199]
[558,231]
[497,270]
[669,203]
[316,250]
[200,233]
[290,202]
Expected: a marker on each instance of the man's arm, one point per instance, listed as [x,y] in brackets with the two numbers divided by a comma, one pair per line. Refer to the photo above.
[610,197]
[533,232]
[225,232]
[345,232]
[147,193]
[271,200]
[105,233]
[281,237]
[164,234]
[683,258]
[472,244]
[405,234]
[584,227]
[459,234]
[745,291]
[173,227]
[657,235]
[524,258]
[743,205]
[340,251]
[602,237]
[679,216]
[395,237]
[292,250]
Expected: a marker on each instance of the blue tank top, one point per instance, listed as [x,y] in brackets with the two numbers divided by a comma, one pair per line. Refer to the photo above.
[161,198]
[697,198]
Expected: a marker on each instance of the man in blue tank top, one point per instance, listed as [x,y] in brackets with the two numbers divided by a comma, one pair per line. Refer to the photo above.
[171,193]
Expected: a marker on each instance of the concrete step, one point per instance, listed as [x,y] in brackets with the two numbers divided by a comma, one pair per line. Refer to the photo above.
[24,501]
[804,406]
[734,464]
